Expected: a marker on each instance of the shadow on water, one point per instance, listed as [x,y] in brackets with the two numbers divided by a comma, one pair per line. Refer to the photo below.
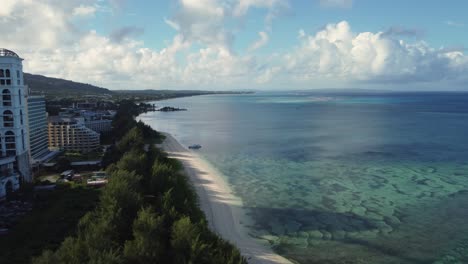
[305,219]
[431,233]
[344,231]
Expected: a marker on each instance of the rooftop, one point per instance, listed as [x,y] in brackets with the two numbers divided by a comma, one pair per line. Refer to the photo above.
[8,53]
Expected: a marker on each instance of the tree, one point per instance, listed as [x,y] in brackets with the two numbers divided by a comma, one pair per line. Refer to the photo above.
[122,195]
[160,180]
[63,164]
[182,235]
[134,161]
[148,245]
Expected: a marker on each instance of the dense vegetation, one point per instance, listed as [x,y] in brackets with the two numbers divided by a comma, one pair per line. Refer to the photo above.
[54,216]
[147,213]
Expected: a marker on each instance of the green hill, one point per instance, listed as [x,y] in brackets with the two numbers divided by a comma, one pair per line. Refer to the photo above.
[59,87]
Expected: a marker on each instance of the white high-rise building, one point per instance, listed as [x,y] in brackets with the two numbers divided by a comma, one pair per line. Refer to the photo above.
[14,147]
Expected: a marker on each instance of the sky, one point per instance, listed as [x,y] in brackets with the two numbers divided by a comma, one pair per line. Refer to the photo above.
[242,44]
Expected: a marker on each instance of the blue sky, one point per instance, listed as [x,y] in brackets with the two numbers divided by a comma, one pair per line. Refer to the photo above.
[243,44]
[440,23]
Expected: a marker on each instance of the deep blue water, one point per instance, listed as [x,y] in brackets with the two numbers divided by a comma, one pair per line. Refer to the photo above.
[340,178]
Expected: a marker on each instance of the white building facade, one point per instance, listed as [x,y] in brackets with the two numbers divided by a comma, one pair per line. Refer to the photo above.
[14,146]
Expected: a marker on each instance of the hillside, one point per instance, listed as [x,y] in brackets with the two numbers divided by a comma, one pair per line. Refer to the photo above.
[59,87]
[55,88]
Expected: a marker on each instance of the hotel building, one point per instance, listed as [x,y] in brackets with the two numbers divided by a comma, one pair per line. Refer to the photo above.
[37,119]
[14,148]
[71,134]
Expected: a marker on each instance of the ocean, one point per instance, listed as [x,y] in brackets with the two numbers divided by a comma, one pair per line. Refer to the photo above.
[332,177]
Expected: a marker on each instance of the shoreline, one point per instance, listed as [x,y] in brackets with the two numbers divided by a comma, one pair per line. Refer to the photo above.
[223,210]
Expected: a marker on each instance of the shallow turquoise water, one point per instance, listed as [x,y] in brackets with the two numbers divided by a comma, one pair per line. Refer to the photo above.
[340,178]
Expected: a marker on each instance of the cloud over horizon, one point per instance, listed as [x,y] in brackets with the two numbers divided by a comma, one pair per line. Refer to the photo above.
[203,54]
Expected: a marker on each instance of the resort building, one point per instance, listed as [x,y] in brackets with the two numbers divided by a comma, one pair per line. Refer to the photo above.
[100,120]
[37,119]
[71,134]
[99,125]
[14,148]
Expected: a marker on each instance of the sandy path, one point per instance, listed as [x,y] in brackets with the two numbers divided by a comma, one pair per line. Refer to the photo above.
[222,209]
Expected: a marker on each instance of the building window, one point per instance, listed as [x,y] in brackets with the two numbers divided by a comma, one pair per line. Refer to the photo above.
[8,118]
[10,144]
[6,96]
[21,116]
[19,95]
[1,147]
[17,74]
[5,78]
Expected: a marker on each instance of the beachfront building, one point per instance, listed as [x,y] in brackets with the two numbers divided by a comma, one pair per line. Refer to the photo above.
[71,134]
[99,125]
[14,147]
[98,120]
[37,119]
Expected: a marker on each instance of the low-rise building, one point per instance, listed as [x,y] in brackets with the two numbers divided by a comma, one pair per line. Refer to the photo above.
[71,134]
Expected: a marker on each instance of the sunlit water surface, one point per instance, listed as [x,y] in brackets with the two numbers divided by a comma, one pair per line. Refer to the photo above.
[340,178]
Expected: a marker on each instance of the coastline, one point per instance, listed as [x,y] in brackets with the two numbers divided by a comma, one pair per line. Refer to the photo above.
[223,210]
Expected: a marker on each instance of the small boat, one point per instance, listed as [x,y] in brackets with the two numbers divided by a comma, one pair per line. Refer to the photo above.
[196,146]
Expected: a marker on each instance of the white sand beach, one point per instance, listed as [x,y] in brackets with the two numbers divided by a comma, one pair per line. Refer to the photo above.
[223,210]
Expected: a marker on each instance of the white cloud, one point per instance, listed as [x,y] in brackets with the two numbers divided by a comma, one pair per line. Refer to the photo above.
[338,53]
[301,33]
[36,24]
[7,7]
[172,24]
[84,10]
[202,21]
[337,3]
[201,56]
[262,41]
[266,76]
[454,23]
[243,6]
[274,7]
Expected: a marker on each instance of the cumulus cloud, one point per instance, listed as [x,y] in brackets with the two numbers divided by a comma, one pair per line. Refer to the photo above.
[262,41]
[200,55]
[336,3]
[274,7]
[84,10]
[205,21]
[202,21]
[337,52]
[244,5]
[119,60]
[35,24]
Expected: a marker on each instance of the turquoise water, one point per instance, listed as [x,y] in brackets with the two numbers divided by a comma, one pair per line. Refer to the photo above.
[340,178]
